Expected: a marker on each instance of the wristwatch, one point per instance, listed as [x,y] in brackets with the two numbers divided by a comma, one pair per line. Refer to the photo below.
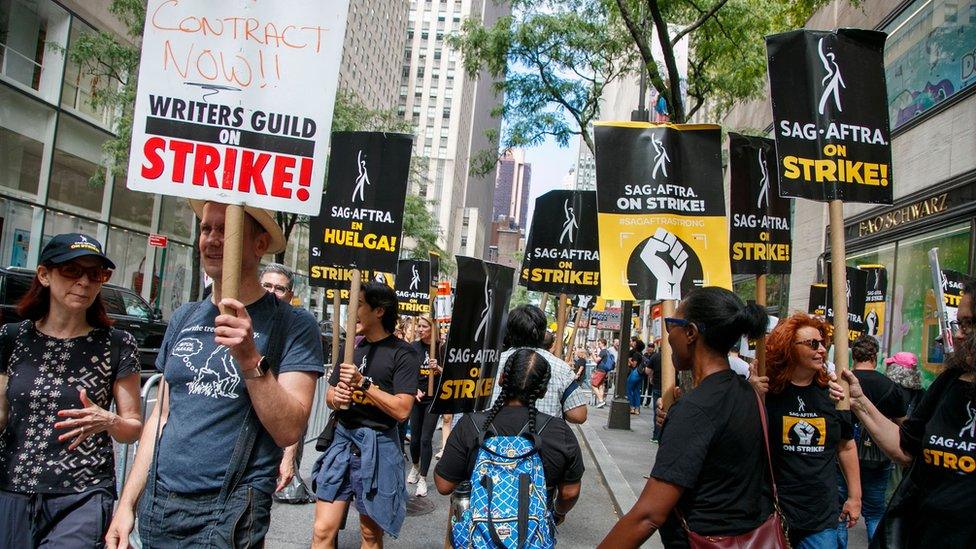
[366,383]
[258,370]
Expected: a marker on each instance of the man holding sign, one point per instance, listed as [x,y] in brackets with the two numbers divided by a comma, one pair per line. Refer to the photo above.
[237,388]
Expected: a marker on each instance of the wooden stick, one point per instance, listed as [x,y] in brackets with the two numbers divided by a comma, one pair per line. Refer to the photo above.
[667,362]
[544,301]
[561,313]
[573,334]
[434,339]
[761,342]
[838,280]
[351,312]
[336,304]
[230,279]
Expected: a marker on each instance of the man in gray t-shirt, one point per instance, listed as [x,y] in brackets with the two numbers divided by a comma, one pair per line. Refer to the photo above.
[192,468]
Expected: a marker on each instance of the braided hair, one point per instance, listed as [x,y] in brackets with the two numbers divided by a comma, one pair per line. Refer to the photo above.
[525,378]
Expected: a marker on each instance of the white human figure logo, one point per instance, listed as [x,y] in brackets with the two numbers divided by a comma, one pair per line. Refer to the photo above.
[802,404]
[569,224]
[661,157]
[415,280]
[669,269]
[584,300]
[833,81]
[848,291]
[805,432]
[83,239]
[485,314]
[763,183]
[970,426]
[362,179]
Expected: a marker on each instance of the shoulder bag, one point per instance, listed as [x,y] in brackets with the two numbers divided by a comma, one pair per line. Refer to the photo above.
[771,534]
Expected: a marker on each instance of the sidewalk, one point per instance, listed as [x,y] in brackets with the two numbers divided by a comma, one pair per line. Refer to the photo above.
[621,457]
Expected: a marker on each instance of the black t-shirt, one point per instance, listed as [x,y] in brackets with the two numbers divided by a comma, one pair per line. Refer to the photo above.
[656,370]
[941,434]
[393,364]
[579,365]
[712,446]
[805,430]
[45,375]
[561,456]
[882,392]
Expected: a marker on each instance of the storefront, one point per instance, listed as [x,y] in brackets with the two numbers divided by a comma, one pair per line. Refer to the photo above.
[900,237]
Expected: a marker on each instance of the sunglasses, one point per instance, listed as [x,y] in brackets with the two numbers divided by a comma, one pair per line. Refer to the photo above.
[74,271]
[964,325]
[276,288]
[813,344]
[672,322]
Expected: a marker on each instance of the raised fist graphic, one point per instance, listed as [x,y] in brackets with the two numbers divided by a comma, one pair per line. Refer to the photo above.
[667,260]
[872,321]
[805,431]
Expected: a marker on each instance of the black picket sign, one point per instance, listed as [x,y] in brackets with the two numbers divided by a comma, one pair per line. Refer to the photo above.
[760,239]
[362,213]
[562,254]
[413,287]
[474,341]
[830,115]
[857,281]
[876,292]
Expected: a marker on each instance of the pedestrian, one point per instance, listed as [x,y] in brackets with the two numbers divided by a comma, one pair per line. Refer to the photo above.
[364,462]
[61,370]
[526,329]
[709,473]
[902,369]
[279,280]
[739,365]
[237,387]
[810,438]
[605,365]
[634,381]
[524,380]
[874,465]
[579,364]
[653,370]
[422,421]
[934,504]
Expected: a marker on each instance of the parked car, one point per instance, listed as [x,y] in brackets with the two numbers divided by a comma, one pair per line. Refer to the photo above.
[127,308]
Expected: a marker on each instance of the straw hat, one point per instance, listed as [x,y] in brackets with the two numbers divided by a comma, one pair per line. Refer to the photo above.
[264,217]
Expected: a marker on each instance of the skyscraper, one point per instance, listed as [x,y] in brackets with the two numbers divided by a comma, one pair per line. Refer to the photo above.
[512,185]
[375,31]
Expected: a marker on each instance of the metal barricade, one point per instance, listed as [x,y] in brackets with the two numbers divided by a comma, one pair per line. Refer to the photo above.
[319,415]
[124,453]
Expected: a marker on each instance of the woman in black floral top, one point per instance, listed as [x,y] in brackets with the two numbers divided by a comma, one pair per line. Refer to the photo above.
[60,371]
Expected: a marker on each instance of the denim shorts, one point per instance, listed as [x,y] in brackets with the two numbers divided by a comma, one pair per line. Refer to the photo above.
[198,520]
[351,488]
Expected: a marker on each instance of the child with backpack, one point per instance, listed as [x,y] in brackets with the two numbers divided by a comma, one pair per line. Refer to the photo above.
[524,466]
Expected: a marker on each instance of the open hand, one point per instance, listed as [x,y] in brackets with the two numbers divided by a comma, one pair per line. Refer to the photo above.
[84,422]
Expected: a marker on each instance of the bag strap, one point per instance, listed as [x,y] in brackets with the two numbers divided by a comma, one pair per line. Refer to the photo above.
[769,455]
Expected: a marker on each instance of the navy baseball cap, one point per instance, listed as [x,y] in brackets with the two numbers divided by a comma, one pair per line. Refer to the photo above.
[65,247]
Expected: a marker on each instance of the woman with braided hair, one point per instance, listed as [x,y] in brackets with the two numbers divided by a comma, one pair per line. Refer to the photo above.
[524,380]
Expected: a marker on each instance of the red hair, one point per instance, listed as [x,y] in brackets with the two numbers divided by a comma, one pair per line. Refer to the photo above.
[781,351]
[36,304]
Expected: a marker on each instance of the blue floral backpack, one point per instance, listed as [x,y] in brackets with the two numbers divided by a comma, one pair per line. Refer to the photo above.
[509,507]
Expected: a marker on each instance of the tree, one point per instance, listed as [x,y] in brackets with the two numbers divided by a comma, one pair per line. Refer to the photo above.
[563,53]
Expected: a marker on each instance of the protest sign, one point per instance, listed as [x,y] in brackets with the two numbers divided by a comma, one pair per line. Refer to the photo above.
[759,219]
[222,110]
[947,286]
[562,253]
[475,338]
[413,287]
[817,304]
[362,214]
[830,115]
[584,301]
[434,260]
[856,294]
[661,210]
[338,279]
[876,292]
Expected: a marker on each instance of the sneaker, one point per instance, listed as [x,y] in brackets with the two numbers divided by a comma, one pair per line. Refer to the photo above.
[601,404]
[413,475]
[421,487]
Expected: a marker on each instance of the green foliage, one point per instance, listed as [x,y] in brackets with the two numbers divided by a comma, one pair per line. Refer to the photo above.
[420,226]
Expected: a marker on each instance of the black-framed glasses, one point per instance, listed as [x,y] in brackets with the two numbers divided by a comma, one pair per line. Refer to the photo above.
[813,344]
[672,322]
[74,271]
[963,325]
[276,288]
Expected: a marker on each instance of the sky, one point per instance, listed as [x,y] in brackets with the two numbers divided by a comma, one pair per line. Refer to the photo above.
[550,163]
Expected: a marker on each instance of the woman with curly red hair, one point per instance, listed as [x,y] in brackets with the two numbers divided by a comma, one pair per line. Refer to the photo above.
[808,435]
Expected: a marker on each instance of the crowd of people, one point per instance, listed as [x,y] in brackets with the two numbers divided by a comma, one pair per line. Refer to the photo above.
[739,455]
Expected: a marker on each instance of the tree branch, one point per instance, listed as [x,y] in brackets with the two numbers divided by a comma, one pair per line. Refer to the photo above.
[653,74]
[701,21]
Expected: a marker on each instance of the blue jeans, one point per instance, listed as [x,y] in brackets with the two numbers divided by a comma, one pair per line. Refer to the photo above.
[824,539]
[874,483]
[198,520]
[634,388]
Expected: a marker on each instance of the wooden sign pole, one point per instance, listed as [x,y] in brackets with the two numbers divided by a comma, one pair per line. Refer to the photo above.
[351,312]
[838,278]
[544,301]
[573,334]
[336,304]
[561,313]
[667,362]
[761,343]
[230,278]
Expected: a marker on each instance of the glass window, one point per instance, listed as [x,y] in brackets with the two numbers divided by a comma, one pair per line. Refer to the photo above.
[77,156]
[113,301]
[175,278]
[24,128]
[56,223]
[929,56]
[176,218]
[128,250]
[31,32]
[130,207]
[15,230]
[883,255]
[913,322]
[135,306]
[78,85]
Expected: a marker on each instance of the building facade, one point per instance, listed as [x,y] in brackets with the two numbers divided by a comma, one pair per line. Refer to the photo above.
[929,65]
[512,187]
[375,31]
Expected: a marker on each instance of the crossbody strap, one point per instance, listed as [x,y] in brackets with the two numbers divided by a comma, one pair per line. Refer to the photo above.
[769,455]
